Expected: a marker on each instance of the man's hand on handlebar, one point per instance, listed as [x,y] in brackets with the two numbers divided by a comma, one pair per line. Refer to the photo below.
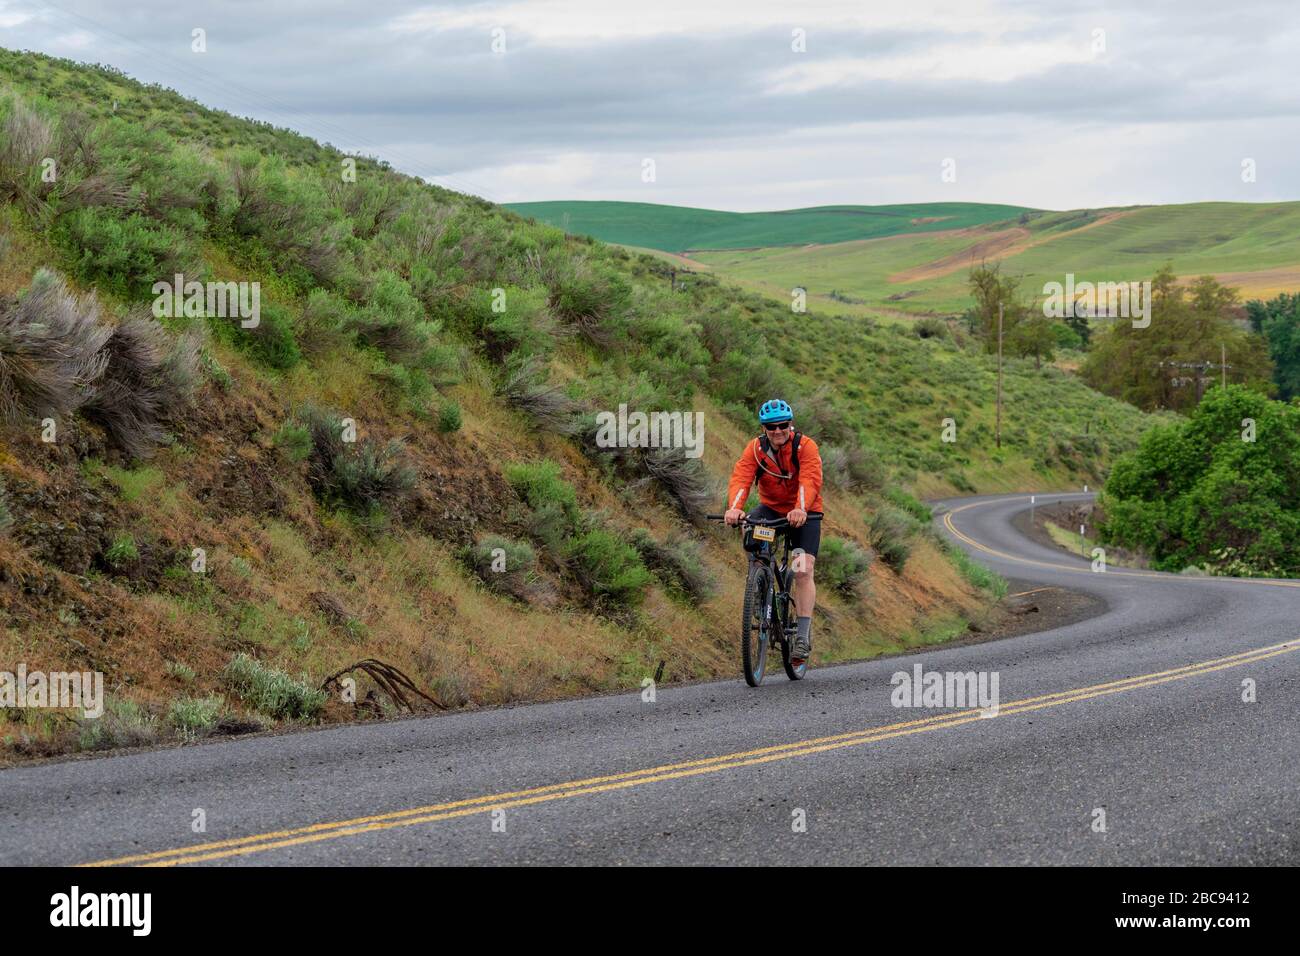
[733,516]
[796,517]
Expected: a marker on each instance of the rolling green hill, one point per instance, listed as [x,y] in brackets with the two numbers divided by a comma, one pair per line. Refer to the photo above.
[921,269]
[682,229]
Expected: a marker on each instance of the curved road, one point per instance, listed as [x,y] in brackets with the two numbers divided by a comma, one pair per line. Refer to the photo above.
[1134,718]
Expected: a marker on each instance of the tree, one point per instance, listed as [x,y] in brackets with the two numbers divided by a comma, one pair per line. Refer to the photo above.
[1078,321]
[1216,490]
[1033,335]
[1278,321]
[1187,326]
[1025,330]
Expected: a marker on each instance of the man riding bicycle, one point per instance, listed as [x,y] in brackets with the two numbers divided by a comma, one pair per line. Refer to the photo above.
[789,472]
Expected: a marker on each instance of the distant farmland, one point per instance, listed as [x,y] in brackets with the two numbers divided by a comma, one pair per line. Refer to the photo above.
[683,229]
[915,261]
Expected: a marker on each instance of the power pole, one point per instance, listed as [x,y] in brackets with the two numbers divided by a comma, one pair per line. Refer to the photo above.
[999,427]
[1201,369]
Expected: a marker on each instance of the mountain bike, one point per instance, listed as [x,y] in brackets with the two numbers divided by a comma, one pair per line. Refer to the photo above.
[768,618]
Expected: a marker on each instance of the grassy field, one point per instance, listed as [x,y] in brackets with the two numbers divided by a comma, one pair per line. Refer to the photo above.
[681,229]
[920,271]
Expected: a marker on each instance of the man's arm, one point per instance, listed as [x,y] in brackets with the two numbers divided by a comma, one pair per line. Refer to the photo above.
[810,473]
[742,477]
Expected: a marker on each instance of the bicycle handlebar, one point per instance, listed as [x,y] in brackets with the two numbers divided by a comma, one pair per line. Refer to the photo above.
[761,522]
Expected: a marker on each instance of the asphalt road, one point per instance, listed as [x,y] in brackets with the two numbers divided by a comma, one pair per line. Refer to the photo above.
[1134,718]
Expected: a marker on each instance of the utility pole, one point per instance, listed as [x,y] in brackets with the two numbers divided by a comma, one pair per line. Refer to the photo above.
[1201,369]
[999,428]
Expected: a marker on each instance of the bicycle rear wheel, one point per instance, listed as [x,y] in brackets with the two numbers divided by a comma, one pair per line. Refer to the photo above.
[757,620]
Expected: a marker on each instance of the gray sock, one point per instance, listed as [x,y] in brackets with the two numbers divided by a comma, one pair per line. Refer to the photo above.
[804,624]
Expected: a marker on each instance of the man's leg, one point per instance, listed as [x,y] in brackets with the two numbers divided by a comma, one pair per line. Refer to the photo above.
[805,597]
[805,589]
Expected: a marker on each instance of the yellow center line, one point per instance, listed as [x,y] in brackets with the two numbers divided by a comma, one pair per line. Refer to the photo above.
[326,831]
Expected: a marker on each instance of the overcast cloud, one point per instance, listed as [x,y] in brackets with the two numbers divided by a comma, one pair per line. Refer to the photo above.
[1016,93]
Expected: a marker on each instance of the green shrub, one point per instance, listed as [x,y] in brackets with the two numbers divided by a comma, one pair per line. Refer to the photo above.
[121,551]
[290,215]
[449,417]
[842,565]
[679,563]
[325,323]
[294,440]
[215,370]
[194,716]
[891,533]
[361,475]
[524,328]
[525,387]
[182,672]
[504,565]
[974,572]
[608,567]
[126,254]
[539,484]
[270,342]
[592,301]
[852,468]
[271,691]
[909,503]
[931,327]
[124,723]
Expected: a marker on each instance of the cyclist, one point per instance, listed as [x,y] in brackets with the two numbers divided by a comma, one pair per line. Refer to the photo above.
[789,472]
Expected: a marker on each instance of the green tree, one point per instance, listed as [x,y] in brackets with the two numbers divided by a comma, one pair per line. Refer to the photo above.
[1078,322]
[1278,321]
[1023,333]
[1217,490]
[1192,325]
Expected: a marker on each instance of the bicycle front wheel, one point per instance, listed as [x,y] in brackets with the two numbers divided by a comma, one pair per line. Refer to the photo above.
[756,624]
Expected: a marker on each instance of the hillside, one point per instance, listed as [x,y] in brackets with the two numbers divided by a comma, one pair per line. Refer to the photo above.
[921,269]
[683,229]
[184,507]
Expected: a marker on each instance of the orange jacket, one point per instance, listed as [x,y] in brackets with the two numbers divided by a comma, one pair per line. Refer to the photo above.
[779,494]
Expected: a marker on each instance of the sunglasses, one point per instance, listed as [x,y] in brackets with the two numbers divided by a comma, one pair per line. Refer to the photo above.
[779,427]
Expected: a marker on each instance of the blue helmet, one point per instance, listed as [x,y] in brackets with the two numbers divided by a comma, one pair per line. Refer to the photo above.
[774,411]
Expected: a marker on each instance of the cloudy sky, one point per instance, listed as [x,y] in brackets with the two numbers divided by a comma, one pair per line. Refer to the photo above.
[743,104]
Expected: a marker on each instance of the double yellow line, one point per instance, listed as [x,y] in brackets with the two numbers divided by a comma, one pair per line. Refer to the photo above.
[315,833]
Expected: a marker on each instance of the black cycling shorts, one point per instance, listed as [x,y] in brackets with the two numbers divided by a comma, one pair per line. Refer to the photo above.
[809,537]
